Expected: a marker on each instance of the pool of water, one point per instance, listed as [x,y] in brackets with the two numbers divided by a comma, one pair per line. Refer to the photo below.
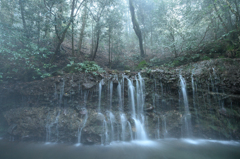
[160,149]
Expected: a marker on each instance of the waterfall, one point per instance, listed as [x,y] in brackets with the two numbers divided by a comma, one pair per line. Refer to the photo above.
[105,129]
[50,123]
[138,117]
[158,129]
[131,97]
[100,95]
[155,93]
[111,93]
[123,124]
[187,131]
[112,120]
[164,126]
[194,98]
[49,126]
[48,132]
[118,133]
[82,125]
[61,93]
[123,91]
[119,89]
[130,130]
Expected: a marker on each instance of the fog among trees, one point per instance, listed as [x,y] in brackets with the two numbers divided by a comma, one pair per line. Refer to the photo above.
[38,37]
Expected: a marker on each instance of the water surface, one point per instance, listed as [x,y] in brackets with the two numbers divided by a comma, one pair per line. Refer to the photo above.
[160,149]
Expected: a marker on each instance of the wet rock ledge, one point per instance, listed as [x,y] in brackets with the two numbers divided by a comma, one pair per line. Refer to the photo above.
[65,108]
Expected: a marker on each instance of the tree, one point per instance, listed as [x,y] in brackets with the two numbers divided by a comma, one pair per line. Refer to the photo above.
[136,27]
[60,29]
[84,21]
[97,15]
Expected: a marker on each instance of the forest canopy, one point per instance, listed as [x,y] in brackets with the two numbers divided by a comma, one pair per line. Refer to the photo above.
[40,37]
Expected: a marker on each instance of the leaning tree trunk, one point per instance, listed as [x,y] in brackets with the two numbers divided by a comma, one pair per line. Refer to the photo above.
[136,28]
[96,47]
[62,36]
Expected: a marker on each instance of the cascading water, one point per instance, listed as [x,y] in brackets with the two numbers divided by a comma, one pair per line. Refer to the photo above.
[194,98]
[158,130]
[112,120]
[61,93]
[164,126]
[105,137]
[49,126]
[123,119]
[82,125]
[111,93]
[130,130]
[50,123]
[119,89]
[100,95]
[140,133]
[123,126]
[187,126]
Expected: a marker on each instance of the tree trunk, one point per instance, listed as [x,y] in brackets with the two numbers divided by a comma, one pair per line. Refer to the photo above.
[73,6]
[62,36]
[23,17]
[47,24]
[136,28]
[96,47]
[219,17]
[39,28]
[109,47]
[174,46]
[72,38]
[236,13]
[84,19]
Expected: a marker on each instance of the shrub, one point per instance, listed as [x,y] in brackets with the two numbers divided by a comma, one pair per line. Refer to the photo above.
[142,64]
[86,66]
[205,57]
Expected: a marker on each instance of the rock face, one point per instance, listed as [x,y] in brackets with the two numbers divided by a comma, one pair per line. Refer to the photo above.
[66,108]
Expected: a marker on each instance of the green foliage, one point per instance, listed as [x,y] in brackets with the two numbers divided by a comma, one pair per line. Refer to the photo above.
[175,63]
[148,70]
[21,57]
[230,48]
[221,57]
[86,66]
[1,76]
[136,57]
[142,64]
[238,54]
[205,57]
[195,57]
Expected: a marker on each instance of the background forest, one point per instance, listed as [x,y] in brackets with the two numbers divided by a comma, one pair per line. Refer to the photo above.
[41,38]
